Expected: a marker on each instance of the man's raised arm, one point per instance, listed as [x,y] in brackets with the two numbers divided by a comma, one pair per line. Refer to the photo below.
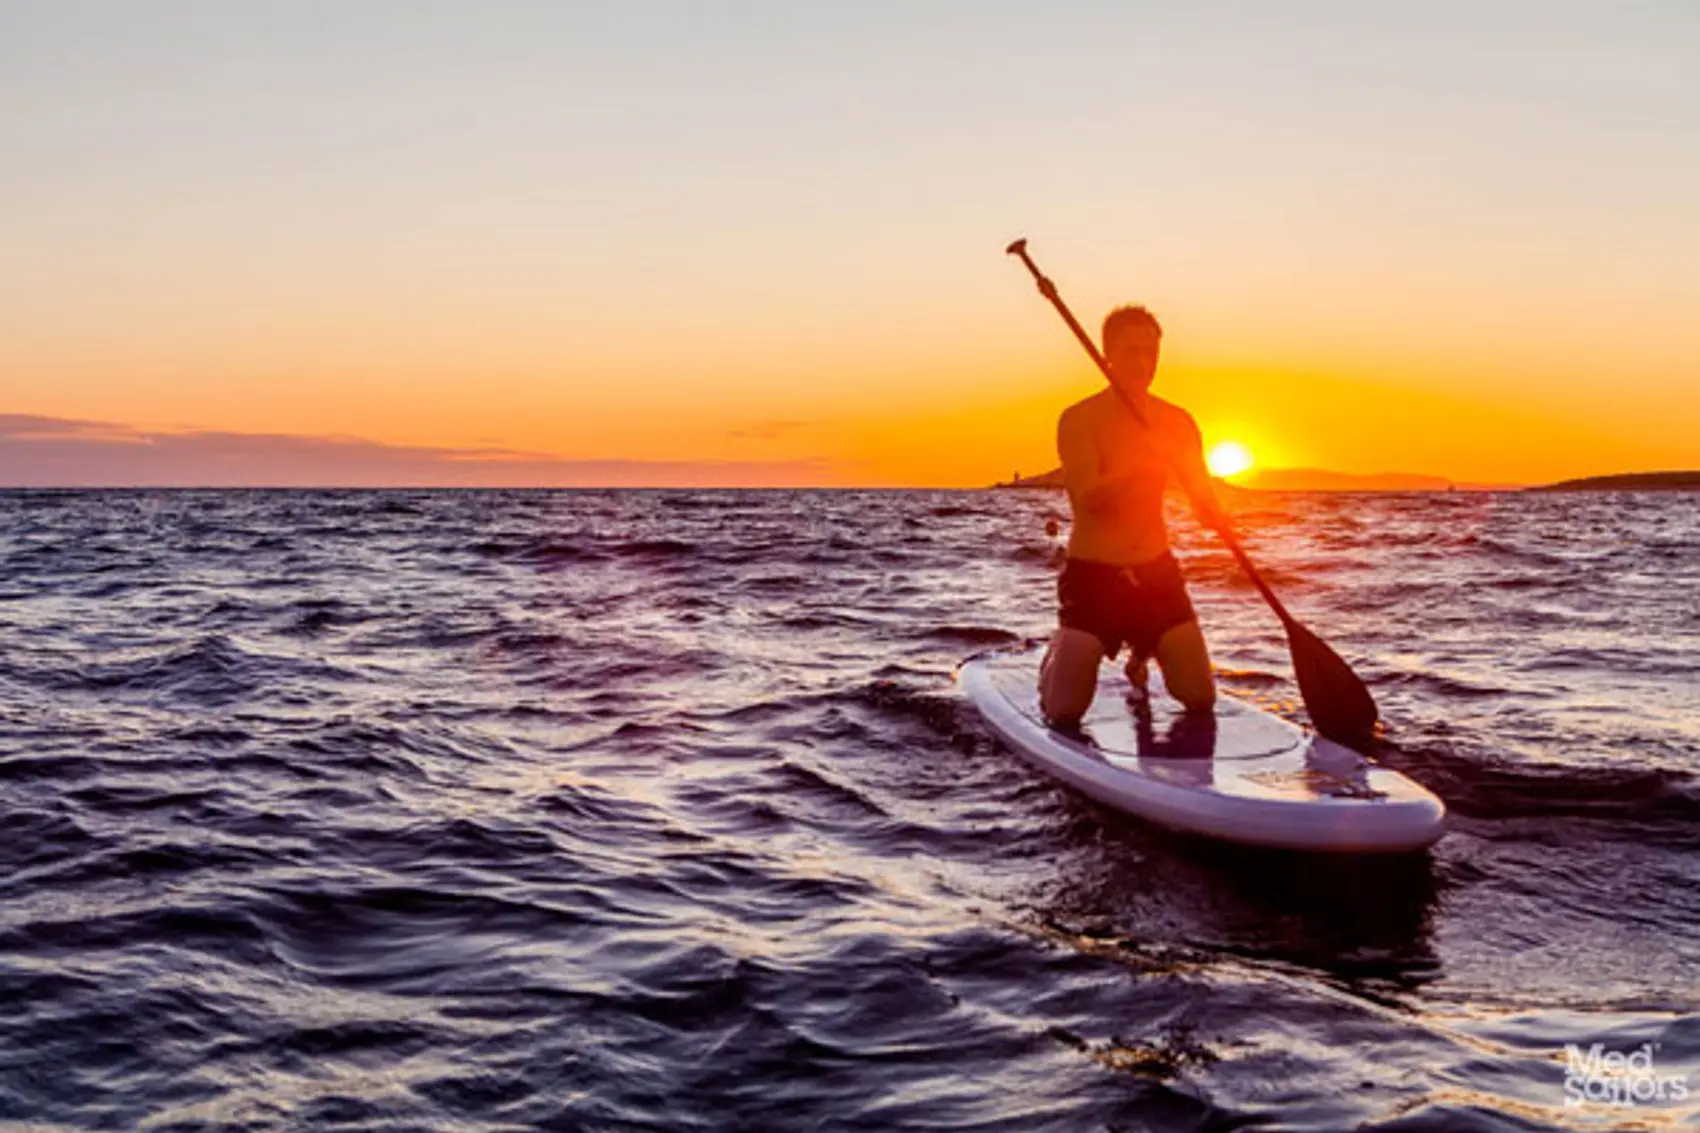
[1187,459]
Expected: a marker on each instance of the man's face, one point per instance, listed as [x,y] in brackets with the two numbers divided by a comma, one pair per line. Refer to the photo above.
[1132,355]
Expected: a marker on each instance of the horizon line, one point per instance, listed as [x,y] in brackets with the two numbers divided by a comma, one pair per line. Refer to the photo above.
[45,453]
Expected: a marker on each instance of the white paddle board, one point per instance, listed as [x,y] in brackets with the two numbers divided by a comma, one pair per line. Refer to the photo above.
[1239,774]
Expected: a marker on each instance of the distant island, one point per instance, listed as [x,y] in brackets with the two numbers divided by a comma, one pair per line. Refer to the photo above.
[1629,482]
[1318,480]
[1051,479]
[1301,480]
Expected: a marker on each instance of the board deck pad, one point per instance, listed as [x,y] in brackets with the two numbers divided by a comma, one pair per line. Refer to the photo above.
[1239,773]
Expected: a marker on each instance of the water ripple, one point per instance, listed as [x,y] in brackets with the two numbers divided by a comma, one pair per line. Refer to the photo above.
[619,810]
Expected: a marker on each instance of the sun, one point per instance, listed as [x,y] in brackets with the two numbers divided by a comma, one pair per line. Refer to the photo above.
[1229,458]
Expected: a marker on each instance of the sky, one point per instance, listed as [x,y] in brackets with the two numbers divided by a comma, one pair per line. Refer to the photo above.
[746,242]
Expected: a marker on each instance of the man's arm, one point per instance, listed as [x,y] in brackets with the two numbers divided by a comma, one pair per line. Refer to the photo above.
[1187,459]
[1083,466]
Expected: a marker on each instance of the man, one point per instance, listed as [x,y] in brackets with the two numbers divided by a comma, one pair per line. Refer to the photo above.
[1121,584]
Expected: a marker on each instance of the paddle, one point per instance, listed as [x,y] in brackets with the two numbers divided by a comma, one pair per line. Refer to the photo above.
[1338,702]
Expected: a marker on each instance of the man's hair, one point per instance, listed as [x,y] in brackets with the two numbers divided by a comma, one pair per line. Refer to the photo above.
[1129,318]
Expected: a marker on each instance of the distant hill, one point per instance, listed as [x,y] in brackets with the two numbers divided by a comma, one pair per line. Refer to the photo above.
[1301,480]
[1629,482]
[1318,480]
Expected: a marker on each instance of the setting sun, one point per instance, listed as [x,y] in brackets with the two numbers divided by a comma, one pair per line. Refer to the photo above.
[1229,458]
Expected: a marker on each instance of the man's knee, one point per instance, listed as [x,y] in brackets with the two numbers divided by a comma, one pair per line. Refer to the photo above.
[1063,696]
[1063,707]
[1198,699]
[1186,668]
[1069,677]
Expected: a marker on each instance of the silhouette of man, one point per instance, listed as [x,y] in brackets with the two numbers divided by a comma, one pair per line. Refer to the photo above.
[1120,584]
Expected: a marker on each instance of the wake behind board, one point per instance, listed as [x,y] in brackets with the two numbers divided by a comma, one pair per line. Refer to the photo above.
[1242,775]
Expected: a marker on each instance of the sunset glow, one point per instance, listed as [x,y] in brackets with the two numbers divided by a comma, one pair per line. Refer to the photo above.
[715,240]
[1229,458]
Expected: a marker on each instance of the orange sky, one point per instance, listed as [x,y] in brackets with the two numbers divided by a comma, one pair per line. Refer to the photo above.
[732,242]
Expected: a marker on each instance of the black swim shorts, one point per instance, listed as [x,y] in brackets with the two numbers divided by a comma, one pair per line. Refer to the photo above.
[1131,605]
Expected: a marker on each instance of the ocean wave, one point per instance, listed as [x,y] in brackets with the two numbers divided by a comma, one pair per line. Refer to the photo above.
[661,810]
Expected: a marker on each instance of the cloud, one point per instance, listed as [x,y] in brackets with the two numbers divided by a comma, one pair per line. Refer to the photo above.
[767,430]
[58,452]
[23,426]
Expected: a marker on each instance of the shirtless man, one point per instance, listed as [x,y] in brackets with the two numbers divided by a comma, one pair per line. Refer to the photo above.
[1121,584]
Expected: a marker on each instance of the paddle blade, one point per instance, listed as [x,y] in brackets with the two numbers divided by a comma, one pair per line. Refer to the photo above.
[1339,703]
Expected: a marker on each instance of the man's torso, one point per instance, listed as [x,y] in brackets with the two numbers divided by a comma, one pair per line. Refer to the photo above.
[1128,528]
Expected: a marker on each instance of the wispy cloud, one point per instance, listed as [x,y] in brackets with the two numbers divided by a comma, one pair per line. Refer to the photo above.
[57,452]
[767,430]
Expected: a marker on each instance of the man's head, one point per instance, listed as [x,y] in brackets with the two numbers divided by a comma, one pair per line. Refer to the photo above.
[1131,341]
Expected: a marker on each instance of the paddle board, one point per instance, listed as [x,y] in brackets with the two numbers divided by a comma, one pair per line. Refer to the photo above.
[1239,774]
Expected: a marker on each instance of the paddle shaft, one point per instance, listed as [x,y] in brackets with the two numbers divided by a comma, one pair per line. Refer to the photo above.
[1049,291]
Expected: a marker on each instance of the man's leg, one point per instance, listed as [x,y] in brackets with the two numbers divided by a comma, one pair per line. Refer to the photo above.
[1069,676]
[1185,661]
[1138,673]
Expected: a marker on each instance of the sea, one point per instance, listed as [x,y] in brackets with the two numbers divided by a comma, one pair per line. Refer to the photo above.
[661,810]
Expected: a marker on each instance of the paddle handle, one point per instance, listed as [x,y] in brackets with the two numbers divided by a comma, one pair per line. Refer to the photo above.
[1049,291]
